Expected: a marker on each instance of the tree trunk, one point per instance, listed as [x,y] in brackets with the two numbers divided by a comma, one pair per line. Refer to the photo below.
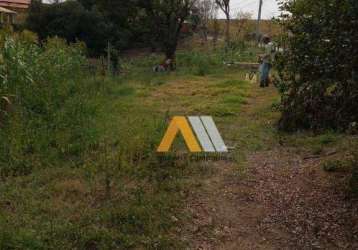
[172,44]
[204,32]
[170,56]
[216,33]
[227,30]
[170,52]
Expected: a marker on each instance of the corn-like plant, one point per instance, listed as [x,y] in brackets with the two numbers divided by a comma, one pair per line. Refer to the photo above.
[50,119]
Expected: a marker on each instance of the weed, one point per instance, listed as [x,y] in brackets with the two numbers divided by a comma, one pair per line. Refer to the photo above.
[327,138]
[335,166]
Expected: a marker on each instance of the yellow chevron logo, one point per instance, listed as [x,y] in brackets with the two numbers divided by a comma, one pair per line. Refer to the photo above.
[199,132]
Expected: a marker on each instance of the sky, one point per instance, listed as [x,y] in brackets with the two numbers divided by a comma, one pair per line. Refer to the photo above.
[269,8]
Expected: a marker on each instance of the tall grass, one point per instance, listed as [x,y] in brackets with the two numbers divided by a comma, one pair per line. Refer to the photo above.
[50,118]
[77,155]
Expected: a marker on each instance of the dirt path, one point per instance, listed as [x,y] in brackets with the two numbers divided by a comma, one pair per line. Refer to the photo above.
[284,201]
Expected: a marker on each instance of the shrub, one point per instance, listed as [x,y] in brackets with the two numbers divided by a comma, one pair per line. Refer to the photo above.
[318,71]
[335,166]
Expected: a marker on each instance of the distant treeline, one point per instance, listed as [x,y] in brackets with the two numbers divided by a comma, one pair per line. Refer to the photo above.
[122,22]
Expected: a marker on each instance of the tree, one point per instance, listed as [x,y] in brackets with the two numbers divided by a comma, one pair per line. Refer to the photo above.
[123,23]
[224,5]
[167,18]
[69,20]
[96,22]
[206,11]
[318,71]
[215,27]
[243,22]
[129,24]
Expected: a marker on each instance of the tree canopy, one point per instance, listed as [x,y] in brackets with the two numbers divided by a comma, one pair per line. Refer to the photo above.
[124,23]
[71,21]
[167,18]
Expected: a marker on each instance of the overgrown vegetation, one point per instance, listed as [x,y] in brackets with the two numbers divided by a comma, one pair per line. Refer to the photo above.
[72,22]
[77,151]
[318,71]
[123,23]
[50,118]
[78,168]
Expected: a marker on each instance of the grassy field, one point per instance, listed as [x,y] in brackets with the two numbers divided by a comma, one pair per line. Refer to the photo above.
[112,191]
[115,192]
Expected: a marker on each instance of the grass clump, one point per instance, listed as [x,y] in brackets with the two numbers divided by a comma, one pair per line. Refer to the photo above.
[335,166]
[234,100]
[197,63]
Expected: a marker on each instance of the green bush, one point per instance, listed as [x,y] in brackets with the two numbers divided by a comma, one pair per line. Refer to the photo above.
[318,70]
[51,117]
[335,166]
